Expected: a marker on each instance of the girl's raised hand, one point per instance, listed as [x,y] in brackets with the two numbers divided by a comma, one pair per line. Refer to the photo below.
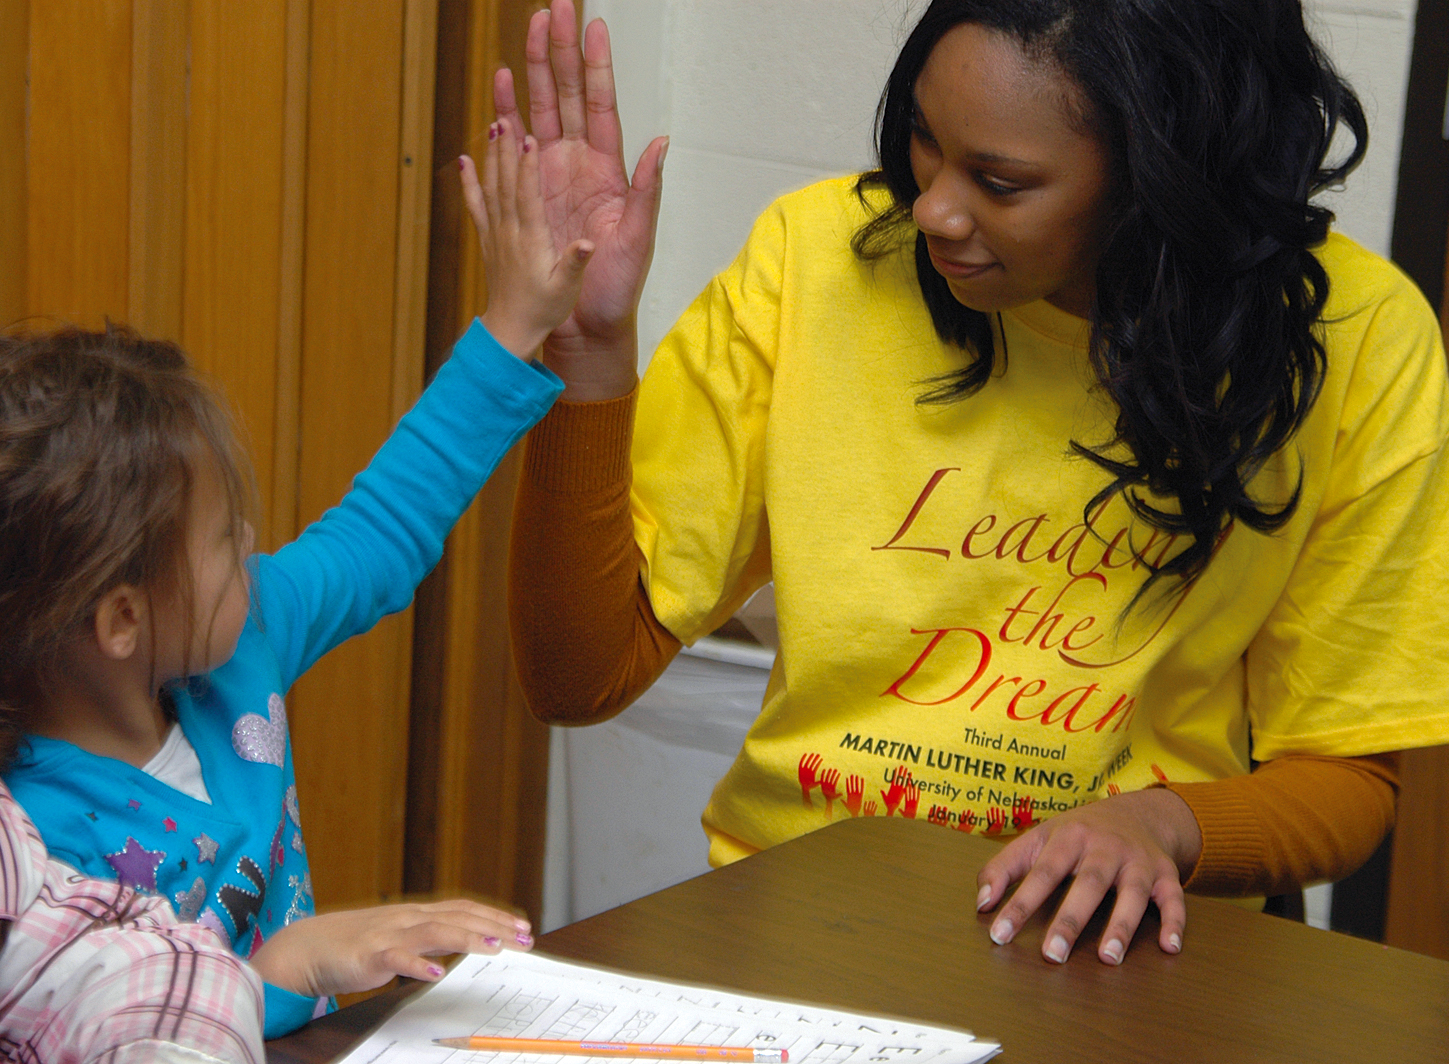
[532,286]
[342,953]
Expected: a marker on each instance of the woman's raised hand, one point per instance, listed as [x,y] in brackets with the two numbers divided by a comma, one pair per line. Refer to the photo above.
[588,196]
[1143,844]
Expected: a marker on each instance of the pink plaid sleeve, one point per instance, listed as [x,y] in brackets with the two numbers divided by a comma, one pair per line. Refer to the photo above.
[92,971]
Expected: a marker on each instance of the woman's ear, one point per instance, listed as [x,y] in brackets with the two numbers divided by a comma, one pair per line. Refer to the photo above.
[119,621]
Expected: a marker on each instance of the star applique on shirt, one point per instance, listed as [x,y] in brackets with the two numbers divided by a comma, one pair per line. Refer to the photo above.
[169,824]
[205,848]
[134,804]
[135,865]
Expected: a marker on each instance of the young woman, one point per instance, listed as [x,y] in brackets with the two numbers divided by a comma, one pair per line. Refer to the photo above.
[1089,466]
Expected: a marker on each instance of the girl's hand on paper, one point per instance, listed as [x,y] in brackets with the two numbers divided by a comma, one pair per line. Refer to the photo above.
[1143,844]
[342,953]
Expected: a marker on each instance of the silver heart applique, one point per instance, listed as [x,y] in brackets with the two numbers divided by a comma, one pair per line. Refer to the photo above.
[262,741]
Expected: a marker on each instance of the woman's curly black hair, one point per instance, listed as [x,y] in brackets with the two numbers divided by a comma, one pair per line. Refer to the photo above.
[1217,116]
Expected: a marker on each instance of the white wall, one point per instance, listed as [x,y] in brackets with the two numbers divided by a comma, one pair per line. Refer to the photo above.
[763,96]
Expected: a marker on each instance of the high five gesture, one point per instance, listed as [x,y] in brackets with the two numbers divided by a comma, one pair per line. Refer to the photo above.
[588,196]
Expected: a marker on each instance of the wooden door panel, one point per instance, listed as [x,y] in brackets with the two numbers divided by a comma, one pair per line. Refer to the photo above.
[234,166]
[350,711]
[79,160]
[256,180]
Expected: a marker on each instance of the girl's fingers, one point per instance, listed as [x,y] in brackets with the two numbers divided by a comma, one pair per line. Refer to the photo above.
[398,961]
[473,193]
[505,100]
[486,912]
[490,177]
[570,268]
[446,936]
[488,926]
[507,145]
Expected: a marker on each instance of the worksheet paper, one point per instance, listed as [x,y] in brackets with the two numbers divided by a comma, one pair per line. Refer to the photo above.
[529,995]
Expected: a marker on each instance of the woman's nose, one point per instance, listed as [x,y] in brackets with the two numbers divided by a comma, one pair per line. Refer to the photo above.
[941,209]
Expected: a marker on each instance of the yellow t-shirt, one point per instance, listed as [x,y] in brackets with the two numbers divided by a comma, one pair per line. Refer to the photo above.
[954,637]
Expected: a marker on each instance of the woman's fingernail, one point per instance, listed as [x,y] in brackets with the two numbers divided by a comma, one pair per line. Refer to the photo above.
[662,153]
[1112,952]
[1174,943]
[435,971]
[460,162]
[491,942]
[983,896]
[1057,949]
[493,131]
[1001,932]
[524,939]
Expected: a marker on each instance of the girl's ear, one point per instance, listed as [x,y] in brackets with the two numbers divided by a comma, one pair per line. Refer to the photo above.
[120,617]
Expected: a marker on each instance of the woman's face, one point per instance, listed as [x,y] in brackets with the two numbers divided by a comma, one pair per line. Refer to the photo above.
[1012,190]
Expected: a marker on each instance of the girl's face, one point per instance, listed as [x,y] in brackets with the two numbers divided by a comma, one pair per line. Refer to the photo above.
[1013,192]
[216,550]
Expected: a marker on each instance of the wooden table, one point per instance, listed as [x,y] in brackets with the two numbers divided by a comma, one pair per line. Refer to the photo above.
[877,915]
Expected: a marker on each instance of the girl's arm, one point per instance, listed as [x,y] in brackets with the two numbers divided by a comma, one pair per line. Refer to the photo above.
[363,559]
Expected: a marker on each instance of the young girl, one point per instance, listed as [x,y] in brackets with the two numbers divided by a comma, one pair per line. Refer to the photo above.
[144,657]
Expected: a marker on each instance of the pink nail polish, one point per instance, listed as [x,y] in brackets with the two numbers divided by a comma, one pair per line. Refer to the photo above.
[460,163]
[524,939]
[435,971]
[493,131]
[527,146]
[491,942]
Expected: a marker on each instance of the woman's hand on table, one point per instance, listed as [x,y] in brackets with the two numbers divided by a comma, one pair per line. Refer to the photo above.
[345,952]
[588,196]
[1143,844]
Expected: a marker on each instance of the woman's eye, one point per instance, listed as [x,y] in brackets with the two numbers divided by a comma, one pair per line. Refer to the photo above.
[995,187]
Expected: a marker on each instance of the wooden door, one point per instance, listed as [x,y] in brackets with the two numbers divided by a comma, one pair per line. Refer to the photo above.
[256,181]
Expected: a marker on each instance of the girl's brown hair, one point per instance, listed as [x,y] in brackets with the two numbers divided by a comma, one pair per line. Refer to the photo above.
[101,437]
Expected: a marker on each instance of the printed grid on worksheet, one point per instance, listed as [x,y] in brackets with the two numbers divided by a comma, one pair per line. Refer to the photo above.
[533,996]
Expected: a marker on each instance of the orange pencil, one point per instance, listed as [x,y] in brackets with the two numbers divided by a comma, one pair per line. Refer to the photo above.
[616,1049]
